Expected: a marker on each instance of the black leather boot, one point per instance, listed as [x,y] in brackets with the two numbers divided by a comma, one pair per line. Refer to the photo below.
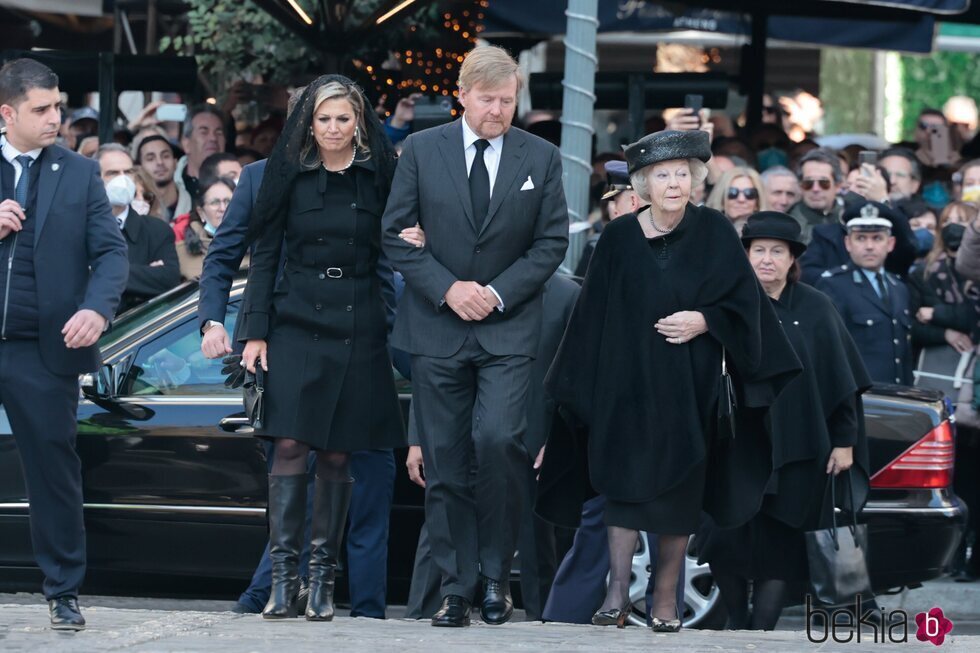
[287,514]
[330,504]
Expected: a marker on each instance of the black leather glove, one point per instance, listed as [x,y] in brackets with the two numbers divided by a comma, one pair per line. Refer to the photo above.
[235,370]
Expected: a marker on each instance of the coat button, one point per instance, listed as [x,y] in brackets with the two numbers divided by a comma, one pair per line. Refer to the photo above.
[870,322]
[477,250]
[350,308]
[319,240]
[321,276]
[316,336]
[894,321]
[350,241]
[353,205]
[318,306]
[898,361]
[347,342]
[895,341]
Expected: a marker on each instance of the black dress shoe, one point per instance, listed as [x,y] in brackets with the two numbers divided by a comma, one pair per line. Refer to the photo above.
[454,613]
[65,614]
[497,605]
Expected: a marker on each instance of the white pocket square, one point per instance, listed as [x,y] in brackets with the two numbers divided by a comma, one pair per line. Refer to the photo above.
[528,185]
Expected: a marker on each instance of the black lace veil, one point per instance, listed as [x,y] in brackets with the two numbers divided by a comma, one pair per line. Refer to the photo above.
[293,154]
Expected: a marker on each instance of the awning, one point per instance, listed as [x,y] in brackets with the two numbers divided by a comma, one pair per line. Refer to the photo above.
[547,17]
[77,7]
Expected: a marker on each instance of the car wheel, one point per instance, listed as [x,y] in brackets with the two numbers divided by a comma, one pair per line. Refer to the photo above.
[702,600]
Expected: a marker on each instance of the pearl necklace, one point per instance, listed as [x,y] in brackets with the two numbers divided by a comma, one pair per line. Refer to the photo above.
[349,163]
[657,228]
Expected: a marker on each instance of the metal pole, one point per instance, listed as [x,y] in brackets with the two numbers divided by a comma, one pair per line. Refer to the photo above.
[755,70]
[107,97]
[578,101]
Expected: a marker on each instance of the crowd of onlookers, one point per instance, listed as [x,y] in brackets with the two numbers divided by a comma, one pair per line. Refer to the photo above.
[170,185]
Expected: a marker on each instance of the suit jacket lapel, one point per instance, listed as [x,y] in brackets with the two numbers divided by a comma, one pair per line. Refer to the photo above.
[511,158]
[451,147]
[51,172]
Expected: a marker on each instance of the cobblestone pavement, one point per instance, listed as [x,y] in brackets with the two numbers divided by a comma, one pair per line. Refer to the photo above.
[23,627]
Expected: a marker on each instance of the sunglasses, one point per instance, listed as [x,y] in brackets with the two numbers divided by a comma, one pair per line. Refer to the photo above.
[747,193]
[808,183]
[770,109]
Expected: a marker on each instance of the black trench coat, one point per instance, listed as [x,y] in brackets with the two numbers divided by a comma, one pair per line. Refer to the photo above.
[330,381]
[640,414]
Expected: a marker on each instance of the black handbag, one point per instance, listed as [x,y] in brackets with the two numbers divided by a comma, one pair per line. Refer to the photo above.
[252,389]
[837,557]
[727,402]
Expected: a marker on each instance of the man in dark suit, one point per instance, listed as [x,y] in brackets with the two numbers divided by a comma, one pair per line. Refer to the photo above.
[873,302]
[63,270]
[537,538]
[367,541]
[153,265]
[471,319]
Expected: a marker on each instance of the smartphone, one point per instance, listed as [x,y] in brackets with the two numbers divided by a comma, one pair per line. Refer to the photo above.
[869,157]
[939,145]
[172,112]
[695,103]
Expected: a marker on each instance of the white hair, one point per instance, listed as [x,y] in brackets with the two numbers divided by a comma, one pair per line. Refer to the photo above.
[699,172]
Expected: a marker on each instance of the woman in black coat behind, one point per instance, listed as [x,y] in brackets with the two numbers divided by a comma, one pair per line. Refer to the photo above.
[667,294]
[817,427]
[320,333]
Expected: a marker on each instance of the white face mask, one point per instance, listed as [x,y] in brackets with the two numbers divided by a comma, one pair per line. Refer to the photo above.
[121,190]
[140,206]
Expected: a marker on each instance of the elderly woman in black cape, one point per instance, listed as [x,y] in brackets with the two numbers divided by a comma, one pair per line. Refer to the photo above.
[817,429]
[320,333]
[638,376]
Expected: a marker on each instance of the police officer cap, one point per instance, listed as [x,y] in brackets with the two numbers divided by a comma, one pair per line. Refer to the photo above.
[667,145]
[617,177]
[869,216]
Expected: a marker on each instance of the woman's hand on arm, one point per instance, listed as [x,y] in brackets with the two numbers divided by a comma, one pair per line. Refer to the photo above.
[413,235]
[682,326]
[255,351]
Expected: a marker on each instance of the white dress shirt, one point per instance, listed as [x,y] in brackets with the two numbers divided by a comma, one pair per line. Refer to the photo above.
[121,218]
[10,153]
[491,158]
[491,155]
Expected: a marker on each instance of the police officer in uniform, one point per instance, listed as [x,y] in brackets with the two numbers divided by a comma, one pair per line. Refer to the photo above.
[623,200]
[873,302]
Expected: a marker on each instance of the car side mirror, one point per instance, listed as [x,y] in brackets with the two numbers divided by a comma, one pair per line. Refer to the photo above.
[98,385]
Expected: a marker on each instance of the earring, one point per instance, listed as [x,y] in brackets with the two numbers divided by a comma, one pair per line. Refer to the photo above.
[357,133]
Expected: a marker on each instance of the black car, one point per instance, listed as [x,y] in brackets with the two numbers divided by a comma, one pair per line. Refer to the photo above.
[175,485]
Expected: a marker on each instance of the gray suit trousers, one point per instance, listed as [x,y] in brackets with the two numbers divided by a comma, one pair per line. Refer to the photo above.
[471,414]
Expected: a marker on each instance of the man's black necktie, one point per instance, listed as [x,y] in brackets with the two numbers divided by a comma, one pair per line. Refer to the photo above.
[480,183]
[883,289]
[20,192]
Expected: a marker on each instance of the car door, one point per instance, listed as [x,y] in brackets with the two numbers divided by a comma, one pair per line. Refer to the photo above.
[174,481]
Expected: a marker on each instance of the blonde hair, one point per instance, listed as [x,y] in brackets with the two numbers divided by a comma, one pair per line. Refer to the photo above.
[335,91]
[638,179]
[716,200]
[488,66]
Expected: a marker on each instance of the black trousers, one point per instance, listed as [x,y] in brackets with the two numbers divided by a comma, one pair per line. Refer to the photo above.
[536,543]
[41,407]
[471,412]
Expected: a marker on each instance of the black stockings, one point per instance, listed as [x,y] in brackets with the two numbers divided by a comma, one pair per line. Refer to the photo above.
[622,547]
[291,458]
[670,557]
[767,601]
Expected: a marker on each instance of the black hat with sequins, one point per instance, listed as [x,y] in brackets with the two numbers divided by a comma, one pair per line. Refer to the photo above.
[667,145]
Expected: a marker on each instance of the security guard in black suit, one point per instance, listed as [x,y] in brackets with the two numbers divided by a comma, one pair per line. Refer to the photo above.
[873,302]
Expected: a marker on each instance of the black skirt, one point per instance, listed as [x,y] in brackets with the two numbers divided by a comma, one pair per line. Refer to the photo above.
[675,512]
[762,549]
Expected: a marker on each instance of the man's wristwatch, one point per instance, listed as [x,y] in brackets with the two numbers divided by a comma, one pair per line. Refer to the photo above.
[208,325]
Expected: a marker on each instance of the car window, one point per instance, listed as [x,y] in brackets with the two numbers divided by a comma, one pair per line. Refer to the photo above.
[172,363]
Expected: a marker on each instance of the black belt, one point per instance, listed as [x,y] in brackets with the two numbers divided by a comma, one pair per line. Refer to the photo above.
[332,272]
